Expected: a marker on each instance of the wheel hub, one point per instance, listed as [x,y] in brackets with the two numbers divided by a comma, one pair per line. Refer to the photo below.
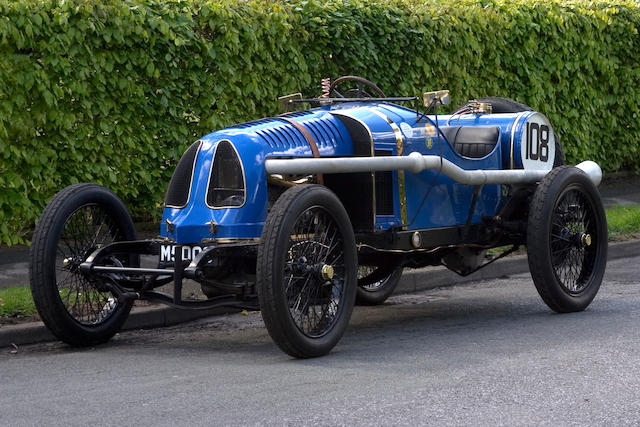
[327,272]
[72,263]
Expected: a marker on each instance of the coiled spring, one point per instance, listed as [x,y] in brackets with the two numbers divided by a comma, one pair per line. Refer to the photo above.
[326,87]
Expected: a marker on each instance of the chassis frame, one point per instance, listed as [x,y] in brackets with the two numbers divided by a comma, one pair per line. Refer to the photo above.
[133,283]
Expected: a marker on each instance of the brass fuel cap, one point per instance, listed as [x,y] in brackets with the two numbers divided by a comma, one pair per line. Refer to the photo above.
[327,272]
[586,239]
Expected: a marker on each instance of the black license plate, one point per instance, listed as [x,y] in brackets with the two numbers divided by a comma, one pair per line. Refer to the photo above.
[167,252]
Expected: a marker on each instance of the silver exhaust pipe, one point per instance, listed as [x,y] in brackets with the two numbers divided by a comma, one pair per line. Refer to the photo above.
[593,171]
[416,162]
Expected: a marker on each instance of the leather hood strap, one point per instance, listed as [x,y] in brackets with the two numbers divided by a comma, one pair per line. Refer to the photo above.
[308,137]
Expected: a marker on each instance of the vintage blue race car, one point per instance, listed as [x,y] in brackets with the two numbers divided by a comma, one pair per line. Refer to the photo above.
[304,214]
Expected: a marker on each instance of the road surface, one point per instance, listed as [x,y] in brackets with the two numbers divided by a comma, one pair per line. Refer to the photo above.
[486,353]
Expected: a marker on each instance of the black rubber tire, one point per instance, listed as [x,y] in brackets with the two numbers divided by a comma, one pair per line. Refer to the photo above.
[507,105]
[504,105]
[553,188]
[272,256]
[42,267]
[384,288]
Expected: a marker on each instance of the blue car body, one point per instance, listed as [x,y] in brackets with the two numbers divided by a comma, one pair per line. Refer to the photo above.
[395,130]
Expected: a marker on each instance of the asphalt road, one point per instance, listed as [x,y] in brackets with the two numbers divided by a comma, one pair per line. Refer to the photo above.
[487,353]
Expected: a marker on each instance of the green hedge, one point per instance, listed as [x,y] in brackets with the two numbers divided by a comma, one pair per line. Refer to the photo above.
[114,91]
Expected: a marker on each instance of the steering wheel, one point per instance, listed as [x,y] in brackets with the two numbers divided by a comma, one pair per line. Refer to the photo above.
[355,92]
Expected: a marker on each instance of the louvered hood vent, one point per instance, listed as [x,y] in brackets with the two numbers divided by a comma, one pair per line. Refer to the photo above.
[283,135]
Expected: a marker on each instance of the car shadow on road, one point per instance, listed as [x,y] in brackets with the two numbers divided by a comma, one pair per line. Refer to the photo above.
[471,320]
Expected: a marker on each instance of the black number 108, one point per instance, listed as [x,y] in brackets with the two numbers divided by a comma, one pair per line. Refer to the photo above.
[537,142]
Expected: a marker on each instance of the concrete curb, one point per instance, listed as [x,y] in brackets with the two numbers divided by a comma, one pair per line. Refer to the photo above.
[140,318]
[411,281]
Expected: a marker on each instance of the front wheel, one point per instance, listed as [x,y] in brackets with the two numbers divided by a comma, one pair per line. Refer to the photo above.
[306,271]
[567,240]
[78,308]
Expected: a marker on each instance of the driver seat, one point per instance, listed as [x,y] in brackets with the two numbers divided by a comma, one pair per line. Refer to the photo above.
[472,141]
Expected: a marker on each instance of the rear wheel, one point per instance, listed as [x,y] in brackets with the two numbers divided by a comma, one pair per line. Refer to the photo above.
[376,283]
[78,308]
[567,240]
[306,271]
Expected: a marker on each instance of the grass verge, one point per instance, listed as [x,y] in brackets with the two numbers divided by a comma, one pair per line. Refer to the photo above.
[624,222]
[16,305]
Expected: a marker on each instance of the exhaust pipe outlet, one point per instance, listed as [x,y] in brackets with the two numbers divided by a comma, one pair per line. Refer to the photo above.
[593,171]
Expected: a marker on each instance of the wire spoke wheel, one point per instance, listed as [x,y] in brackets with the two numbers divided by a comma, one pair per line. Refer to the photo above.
[365,271]
[376,283]
[87,229]
[567,240]
[315,272]
[573,245]
[306,271]
[79,307]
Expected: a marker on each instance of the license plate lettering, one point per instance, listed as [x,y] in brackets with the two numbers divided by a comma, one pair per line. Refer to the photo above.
[168,252]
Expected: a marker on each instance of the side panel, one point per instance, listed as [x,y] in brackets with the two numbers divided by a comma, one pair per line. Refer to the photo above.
[386,141]
[429,199]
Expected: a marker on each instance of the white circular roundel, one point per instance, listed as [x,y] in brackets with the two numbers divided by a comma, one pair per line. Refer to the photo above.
[538,143]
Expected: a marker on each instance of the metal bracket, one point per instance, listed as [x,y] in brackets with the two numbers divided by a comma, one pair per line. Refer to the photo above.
[478,107]
[437,97]
[287,101]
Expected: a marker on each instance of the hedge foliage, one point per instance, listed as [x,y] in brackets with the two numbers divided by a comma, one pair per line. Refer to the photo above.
[114,91]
